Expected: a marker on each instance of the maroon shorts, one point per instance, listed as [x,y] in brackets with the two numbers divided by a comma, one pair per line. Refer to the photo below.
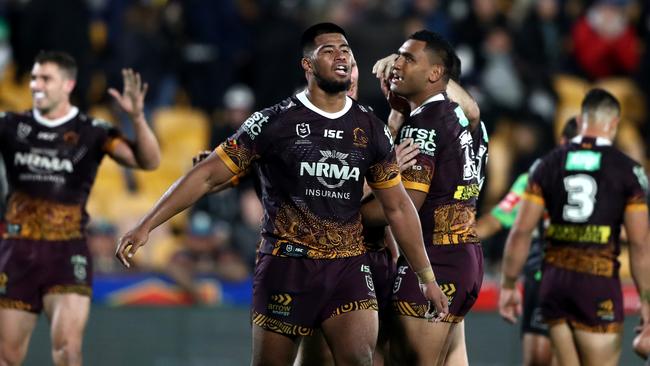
[293,296]
[459,273]
[30,269]
[383,275]
[584,301]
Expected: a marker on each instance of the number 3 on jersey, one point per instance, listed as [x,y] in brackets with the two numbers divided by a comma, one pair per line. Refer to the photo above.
[581,197]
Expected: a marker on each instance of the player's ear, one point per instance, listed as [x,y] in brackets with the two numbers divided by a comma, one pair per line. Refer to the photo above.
[436,73]
[68,85]
[306,64]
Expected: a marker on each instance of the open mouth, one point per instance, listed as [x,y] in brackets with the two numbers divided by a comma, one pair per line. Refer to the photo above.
[341,70]
[394,79]
[38,95]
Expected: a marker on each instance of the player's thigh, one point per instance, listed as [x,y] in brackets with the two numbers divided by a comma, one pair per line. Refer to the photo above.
[537,350]
[417,341]
[457,354]
[68,315]
[564,344]
[16,327]
[314,351]
[271,348]
[352,336]
[600,349]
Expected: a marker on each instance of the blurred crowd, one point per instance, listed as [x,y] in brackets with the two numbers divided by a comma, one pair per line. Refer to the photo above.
[209,64]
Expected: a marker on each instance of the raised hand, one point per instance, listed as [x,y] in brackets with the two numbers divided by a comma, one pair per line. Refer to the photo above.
[131,100]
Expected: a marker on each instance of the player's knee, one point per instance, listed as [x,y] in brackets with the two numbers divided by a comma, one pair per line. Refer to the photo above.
[11,355]
[361,355]
[66,353]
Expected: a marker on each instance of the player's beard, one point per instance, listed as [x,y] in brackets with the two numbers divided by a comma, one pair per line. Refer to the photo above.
[332,86]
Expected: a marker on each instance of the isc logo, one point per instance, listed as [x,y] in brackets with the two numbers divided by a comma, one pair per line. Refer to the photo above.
[333,134]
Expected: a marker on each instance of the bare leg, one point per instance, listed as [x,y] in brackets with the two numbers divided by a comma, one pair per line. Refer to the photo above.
[537,350]
[352,337]
[272,349]
[564,345]
[416,341]
[314,351]
[16,327]
[457,355]
[598,349]
[68,314]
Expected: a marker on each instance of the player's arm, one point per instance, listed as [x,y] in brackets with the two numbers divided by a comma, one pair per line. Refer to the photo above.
[514,257]
[144,152]
[200,180]
[232,182]
[405,225]
[487,225]
[460,96]
[636,223]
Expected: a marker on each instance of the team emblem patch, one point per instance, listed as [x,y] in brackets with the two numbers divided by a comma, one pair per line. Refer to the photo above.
[23,130]
[79,263]
[369,283]
[397,284]
[303,130]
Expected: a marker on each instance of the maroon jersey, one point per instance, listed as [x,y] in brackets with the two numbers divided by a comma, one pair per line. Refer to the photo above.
[445,170]
[51,166]
[311,167]
[586,186]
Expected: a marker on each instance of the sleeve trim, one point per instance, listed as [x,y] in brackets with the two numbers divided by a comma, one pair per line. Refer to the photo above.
[416,186]
[386,184]
[636,207]
[227,160]
[533,198]
[111,144]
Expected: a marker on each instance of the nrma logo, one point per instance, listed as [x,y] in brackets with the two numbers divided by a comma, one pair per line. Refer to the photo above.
[324,168]
[39,163]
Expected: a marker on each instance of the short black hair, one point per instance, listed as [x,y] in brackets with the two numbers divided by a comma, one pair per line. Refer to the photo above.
[307,41]
[598,98]
[570,129]
[440,47]
[454,72]
[62,59]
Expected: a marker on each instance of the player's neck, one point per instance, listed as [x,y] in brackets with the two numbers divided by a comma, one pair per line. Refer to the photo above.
[417,100]
[55,113]
[596,132]
[330,103]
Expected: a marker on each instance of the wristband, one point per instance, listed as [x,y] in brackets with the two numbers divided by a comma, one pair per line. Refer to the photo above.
[508,283]
[426,275]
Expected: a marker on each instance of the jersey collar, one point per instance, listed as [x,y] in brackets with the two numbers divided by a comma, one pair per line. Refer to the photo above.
[436,98]
[55,122]
[302,97]
[600,141]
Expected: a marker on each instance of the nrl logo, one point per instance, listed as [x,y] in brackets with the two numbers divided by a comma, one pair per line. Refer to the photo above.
[302,130]
[23,130]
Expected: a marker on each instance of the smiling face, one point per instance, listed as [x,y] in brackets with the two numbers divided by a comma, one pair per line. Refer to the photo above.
[50,87]
[413,72]
[330,63]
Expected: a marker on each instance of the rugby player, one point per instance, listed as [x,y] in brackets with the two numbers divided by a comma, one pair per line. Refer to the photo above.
[443,185]
[536,344]
[311,154]
[51,154]
[588,188]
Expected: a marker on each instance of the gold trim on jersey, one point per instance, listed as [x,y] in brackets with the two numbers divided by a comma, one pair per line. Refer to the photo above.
[111,144]
[636,207]
[384,174]
[455,224]
[418,179]
[532,197]
[597,262]
[323,238]
[227,160]
[278,326]
[579,233]
[422,187]
[40,219]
